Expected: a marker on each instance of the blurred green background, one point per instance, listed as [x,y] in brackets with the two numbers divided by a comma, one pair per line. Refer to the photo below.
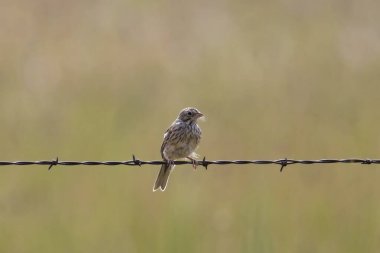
[102,80]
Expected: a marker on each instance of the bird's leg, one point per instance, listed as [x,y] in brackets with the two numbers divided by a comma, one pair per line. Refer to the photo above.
[193,161]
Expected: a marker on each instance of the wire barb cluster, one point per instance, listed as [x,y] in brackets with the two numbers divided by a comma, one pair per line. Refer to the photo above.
[205,163]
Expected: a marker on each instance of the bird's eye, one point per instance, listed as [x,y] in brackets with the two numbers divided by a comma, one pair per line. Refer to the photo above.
[189,113]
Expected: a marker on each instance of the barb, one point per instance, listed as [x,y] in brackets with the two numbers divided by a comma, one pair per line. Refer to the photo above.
[53,163]
[205,163]
[283,164]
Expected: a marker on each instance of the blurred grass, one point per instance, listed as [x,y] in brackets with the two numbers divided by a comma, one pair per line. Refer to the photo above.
[101,80]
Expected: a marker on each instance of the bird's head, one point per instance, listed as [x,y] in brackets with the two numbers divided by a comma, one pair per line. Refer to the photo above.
[190,115]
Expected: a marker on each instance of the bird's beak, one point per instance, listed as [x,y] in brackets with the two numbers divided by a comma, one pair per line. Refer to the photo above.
[200,115]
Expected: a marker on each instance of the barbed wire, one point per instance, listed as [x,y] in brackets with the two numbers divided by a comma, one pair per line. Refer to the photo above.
[205,163]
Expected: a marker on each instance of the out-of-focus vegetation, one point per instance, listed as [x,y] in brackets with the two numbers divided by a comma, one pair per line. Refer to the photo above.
[100,80]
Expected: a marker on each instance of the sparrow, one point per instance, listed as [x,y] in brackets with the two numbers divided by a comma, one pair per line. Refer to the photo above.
[180,141]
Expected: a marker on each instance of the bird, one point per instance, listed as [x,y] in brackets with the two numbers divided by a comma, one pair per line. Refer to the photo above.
[180,141]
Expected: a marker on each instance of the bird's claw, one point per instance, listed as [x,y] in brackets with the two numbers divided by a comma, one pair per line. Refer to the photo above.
[169,163]
[194,162]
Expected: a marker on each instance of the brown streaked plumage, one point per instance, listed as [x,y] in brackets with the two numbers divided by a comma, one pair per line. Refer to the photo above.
[180,141]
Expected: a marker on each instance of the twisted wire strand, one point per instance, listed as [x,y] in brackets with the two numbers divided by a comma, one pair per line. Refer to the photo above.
[205,163]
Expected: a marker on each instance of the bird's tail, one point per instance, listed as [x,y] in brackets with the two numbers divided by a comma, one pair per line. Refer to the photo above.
[163,177]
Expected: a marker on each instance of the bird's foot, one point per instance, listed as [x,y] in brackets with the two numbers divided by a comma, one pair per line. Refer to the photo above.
[194,162]
[169,163]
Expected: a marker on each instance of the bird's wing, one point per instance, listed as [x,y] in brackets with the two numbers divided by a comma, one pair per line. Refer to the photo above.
[170,134]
